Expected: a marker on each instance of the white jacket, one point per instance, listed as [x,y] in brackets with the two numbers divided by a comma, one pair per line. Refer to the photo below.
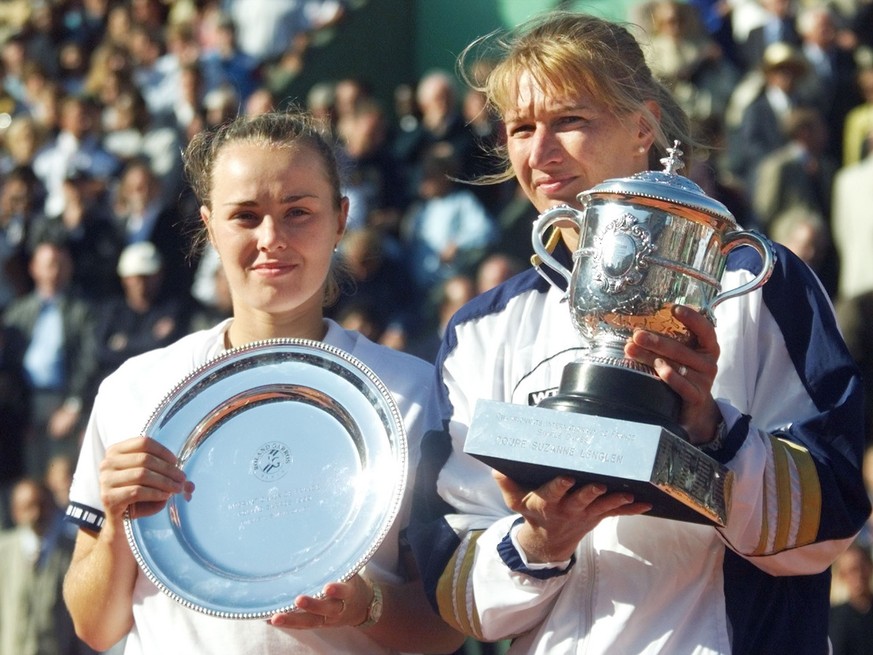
[790,395]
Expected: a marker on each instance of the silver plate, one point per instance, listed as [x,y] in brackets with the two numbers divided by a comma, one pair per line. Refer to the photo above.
[298,456]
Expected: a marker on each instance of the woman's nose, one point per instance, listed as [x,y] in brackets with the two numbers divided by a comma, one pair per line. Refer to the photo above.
[543,148]
[270,234]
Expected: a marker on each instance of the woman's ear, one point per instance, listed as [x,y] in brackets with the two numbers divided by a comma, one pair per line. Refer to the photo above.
[205,215]
[647,132]
[342,218]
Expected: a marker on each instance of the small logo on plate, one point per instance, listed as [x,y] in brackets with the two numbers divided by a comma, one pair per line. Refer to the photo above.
[271,461]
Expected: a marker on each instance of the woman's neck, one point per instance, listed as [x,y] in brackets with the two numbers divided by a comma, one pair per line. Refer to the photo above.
[244,331]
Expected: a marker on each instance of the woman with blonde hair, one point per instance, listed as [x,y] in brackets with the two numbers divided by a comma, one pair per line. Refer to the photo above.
[771,393]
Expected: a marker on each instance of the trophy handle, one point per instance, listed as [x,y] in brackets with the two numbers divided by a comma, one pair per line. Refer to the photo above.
[768,257]
[543,222]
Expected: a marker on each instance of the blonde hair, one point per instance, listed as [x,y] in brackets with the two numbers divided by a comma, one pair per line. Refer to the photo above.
[570,54]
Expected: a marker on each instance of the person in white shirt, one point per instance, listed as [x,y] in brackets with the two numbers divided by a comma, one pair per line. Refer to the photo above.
[273,210]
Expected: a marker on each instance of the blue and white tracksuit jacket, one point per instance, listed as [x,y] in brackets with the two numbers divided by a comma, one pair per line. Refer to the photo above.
[792,400]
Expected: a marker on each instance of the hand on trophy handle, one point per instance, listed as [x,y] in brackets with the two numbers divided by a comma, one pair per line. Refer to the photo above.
[138,476]
[689,370]
[558,515]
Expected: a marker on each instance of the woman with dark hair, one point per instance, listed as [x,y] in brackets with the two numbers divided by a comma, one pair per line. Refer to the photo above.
[273,211]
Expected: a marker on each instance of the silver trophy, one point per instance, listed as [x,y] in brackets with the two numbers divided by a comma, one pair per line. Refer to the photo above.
[646,243]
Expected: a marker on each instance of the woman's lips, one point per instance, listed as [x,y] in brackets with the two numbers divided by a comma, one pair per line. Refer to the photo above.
[552,185]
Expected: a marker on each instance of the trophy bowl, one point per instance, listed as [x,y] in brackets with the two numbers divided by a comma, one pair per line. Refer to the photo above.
[646,243]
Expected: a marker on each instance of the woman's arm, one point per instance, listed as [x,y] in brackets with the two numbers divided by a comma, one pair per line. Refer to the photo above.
[137,475]
[98,588]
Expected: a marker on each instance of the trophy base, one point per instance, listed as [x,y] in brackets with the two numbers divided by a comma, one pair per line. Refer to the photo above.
[532,445]
[592,388]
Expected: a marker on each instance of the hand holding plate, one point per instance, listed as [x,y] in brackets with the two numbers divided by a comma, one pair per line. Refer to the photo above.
[344,604]
[139,475]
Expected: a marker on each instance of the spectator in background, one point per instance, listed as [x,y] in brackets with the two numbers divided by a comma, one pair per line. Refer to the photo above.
[798,173]
[187,111]
[377,284]
[260,101]
[74,68]
[130,133]
[153,74]
[85,22]
[855,317]
[265,28]
[86,226]
[851,226]
[779,26]
[142,318]
[372,181]
[225,64]
[14,414]
[440,121]
[142,214]
[448,230]
[687,61]
[56,330]
[217,307]
[13,56]
[19,197]
[859,121]
[805,233]
[75,148]
[760,130]
[487,131]
[851,621]
[45,32]
[109,74]
[832,79]
[58,478]
[22,140]
[446,298]
[220,105]
[496,269]
[34,557]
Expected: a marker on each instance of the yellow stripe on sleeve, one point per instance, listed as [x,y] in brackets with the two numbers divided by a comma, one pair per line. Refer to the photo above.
[810,494]
[783,494]
[452,589]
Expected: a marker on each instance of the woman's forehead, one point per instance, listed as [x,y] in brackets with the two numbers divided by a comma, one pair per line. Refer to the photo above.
[534,95]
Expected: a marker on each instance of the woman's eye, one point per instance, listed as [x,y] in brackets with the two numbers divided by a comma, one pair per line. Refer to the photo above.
[520,129]
[297,213]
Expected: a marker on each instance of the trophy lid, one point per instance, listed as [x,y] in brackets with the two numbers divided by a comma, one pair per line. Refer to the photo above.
[664,186]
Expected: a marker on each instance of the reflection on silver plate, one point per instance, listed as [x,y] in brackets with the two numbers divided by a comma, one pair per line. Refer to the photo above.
[298,456]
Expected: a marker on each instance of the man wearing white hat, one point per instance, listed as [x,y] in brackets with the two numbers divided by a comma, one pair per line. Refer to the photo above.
[143,318]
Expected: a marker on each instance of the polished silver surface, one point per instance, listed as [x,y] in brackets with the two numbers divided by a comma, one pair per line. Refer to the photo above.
[299,458]
[646,243]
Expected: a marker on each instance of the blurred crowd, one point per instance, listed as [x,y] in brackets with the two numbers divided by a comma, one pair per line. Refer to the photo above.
[99,97]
